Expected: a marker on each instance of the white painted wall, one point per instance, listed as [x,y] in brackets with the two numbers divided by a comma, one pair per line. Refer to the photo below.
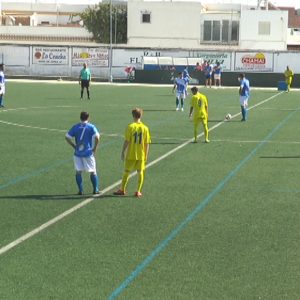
[249,37]
[178,25]
[45,31]
[293,37]
[173,24]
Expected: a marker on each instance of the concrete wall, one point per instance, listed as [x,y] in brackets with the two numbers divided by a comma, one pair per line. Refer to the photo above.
[179,25]
[45,31]
[228,78]
[173,24]
[66,61]
[249,30]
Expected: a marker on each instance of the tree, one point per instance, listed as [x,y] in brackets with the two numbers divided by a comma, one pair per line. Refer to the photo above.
[96,20]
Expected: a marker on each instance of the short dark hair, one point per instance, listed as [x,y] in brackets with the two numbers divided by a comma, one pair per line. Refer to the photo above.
[194,89]
[241,75]
[137,113]
[84,116]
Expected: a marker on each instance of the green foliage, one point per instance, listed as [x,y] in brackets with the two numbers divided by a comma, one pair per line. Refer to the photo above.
[97,21]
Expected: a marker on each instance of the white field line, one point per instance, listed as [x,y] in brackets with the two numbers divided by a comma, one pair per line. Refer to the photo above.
[53,129]
[85,202]
[75,82]
[34,107]
[31,127]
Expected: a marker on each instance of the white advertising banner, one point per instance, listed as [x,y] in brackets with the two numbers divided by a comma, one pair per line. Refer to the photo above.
[94,57]
[134,58]
[253,62]
[224,58]
[50,55]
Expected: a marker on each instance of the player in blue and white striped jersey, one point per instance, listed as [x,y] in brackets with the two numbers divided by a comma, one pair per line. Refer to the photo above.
[2,85]
[244,92]
[180,85]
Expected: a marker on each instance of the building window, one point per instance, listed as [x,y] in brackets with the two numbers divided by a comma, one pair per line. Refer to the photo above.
[264,28]
[146,17]
[207,31]
[235,31]
[224,31]
[216,31]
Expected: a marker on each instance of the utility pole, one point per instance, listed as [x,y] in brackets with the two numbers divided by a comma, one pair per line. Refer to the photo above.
[110,42]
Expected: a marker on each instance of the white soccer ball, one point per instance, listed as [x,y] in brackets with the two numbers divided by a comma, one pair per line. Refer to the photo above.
[228,117]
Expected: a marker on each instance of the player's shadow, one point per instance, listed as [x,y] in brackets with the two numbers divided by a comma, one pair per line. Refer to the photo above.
[228,121]
[215,121]
[279,157]
[70,197]
[46,197]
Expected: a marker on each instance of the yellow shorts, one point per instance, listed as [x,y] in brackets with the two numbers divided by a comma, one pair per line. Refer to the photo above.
[200,120]
[132,165]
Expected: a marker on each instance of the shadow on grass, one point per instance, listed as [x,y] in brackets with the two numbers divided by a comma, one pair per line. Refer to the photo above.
[46,197]
[215,121]
[66,197]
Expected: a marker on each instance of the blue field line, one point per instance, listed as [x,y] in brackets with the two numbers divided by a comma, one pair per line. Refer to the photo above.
[33,173]
[40,171]
[163,244]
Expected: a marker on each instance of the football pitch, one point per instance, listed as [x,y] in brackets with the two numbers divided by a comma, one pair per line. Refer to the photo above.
[216,221]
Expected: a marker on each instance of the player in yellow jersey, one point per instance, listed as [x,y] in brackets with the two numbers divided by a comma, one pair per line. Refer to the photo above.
[288,74]
[199,108]
[135,152]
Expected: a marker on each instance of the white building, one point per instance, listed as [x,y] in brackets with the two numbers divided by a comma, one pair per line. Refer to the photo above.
[24,22]
[191,25]
[42,39]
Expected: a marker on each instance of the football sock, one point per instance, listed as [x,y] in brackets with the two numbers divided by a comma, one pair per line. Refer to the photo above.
[243,112]
[88,93]
[81,94]
[1,100]
[141,175]
[79,182]
[124,180]
[177,102]
[182,102]
[195,132]
[205,131]
[95,181]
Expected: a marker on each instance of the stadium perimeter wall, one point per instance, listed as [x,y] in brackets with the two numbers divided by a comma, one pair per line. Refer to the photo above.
[228,78]
[263,68]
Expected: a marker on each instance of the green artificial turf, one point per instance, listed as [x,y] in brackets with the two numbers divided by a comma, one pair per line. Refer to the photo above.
[216,221]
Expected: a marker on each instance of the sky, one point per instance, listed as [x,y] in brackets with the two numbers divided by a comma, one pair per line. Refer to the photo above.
[292,3]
